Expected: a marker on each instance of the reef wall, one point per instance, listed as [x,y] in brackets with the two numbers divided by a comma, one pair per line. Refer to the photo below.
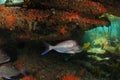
[50,19]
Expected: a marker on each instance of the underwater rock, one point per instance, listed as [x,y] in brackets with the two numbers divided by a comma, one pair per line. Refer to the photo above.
[112,6]
[112,18]
[60,18]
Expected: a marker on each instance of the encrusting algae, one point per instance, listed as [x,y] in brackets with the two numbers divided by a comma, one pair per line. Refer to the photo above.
[28,78]
[70,77]
[86,45]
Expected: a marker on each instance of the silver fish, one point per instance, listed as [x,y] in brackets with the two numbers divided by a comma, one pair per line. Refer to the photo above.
[69,46]
[9,71]
[3,57]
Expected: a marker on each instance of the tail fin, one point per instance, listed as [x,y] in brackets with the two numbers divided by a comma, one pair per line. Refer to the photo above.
[48,48]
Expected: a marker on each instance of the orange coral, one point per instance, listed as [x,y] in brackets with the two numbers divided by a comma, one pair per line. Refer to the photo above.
[10,19]
[3,8]
[70,16]
[70,77]
[28,78]
[80,14]
[63,30]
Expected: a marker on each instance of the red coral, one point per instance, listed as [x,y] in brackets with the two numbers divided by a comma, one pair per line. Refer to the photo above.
[62,30]
[70,77]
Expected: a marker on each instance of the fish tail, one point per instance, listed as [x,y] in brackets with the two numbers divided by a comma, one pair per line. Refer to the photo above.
[48,48]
